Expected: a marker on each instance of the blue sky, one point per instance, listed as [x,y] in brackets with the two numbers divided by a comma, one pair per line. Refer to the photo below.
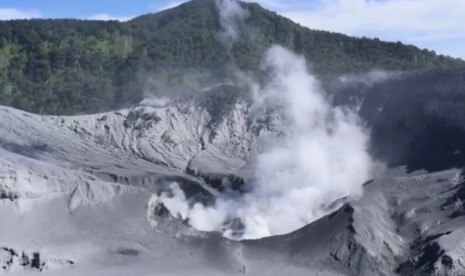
[434,24]
[85,8]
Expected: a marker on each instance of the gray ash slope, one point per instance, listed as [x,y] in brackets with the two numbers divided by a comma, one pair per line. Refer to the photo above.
[412,116]
[78,195]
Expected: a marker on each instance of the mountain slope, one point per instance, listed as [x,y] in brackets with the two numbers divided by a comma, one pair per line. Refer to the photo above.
[73,66]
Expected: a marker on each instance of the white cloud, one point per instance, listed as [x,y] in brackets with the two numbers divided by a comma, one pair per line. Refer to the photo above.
[9,14]
[419,22]
[171,4]
[107,17]
[284,5]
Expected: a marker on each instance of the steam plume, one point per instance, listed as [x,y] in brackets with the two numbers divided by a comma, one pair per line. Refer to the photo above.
[320,157]
[232,16]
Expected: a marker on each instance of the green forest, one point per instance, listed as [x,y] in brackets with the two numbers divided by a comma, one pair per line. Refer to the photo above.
[79,66]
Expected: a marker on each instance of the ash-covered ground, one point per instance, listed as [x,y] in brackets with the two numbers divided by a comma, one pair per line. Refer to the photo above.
[81,195]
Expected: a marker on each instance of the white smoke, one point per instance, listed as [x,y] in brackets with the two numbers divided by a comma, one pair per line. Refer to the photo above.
[321,156]
[232,15]
[369,78]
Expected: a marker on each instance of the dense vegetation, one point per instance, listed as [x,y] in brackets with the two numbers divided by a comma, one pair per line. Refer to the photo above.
[73,66]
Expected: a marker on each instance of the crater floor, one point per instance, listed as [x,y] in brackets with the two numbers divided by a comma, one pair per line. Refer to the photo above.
[78,195]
